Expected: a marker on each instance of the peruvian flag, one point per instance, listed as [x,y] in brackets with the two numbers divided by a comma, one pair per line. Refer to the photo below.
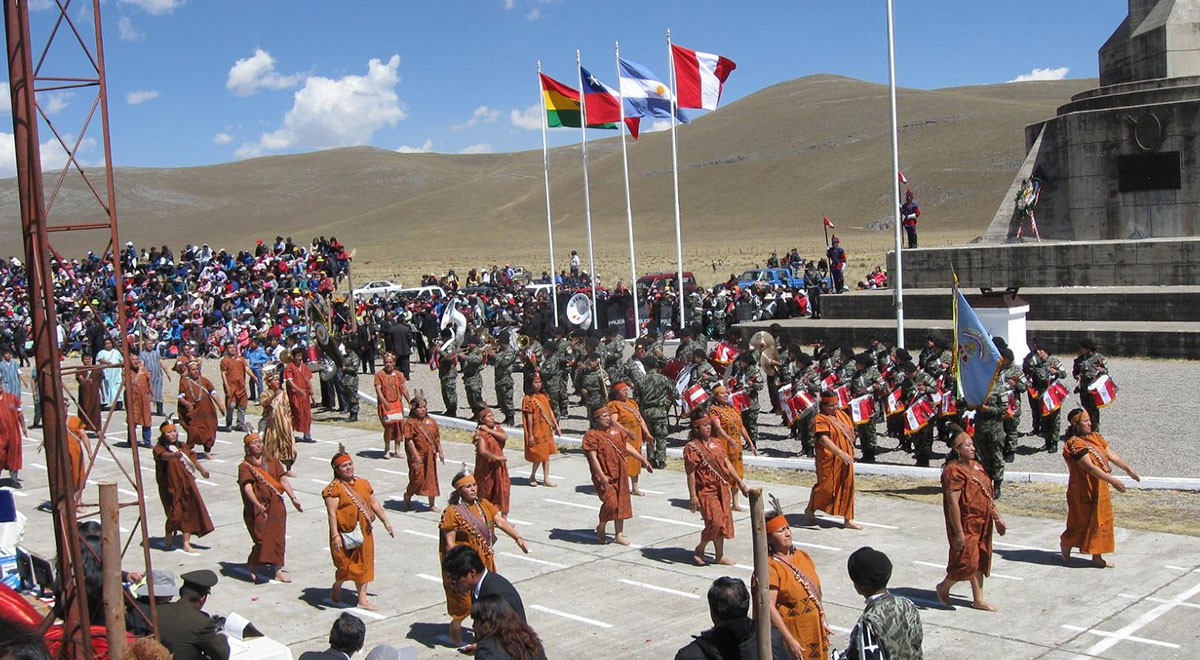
[948,406]
[724,353]
[802,403]
[861,409]
[783,395]
[917,416]
[829,223]
[740,400]
[1011,404]
[894,404]
[829,382]
[843,395]
[1103,391]
[694,396]
[968,419]
[433,360]
[1053,397]
[699,77]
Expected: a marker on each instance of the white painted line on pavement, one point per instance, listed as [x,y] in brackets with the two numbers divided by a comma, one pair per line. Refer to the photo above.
[573,617]
[146,468]
[1113,638]
[673,522]
[318,458]
[218,460]
[421,534]
[426,576]
[839,629]
[519,522]
[655,587]
[652,492]
[993,575]
[1151,599]
[38,466]
[206,482]
[818,546]
[319,481]
[514,555]
[402,474]
[1017,546]
[105,458]
[368,613]
[224,442]
[1184,569]
[123,530]
[744,567]
[863,523]
[1142,621]
[126,491]
[185,552]
[574,504]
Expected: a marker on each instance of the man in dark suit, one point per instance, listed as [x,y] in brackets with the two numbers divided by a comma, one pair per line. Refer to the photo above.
[399,337]
[346,637]
[186,631]
[466,571]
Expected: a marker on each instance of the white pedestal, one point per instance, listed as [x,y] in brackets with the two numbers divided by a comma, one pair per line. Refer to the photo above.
[1009,323]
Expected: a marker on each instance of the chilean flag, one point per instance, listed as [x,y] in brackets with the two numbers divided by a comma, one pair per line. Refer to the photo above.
[699,77]
[600,103]
[1103,391]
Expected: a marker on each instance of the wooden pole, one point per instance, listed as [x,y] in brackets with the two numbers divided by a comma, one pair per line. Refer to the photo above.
[759,586]
[110,558]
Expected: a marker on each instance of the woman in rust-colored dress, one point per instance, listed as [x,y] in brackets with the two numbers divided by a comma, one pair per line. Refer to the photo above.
[709,473]
[491,465]
[175,468]
[263,485]
[423,450]
[541,426]
[392,394]
[1089,502]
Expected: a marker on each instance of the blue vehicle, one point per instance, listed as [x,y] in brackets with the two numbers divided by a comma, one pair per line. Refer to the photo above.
[771,276]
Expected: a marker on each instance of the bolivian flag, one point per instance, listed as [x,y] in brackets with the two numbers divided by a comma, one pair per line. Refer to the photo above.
[562,105]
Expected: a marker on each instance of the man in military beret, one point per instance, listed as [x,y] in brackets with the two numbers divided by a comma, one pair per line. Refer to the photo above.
[184,628]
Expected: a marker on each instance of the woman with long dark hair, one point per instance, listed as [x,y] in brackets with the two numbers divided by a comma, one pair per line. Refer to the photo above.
[501,633]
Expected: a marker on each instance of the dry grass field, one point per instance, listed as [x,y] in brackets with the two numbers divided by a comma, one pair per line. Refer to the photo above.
[755,176]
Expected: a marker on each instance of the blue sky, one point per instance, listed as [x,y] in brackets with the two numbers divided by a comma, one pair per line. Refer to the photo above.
[195,82]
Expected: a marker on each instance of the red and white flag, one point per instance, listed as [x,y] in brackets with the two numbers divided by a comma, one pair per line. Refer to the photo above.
[694,396]
[903,179]
[699,77]
[843,395]
[784,394]
[917,416]
[968,419]
[861,409]
[1011,404]
[829,223]
[802,403]
[948,406]
[1103,391]
[740,400]
[1053,397]
[894,403]
[829,382]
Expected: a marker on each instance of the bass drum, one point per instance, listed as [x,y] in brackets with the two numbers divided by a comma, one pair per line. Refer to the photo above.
[673,367]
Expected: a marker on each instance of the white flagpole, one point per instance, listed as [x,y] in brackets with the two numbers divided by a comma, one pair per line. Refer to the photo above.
[546,175]
[587,200]
[896,277]
[637,323]
[679,292]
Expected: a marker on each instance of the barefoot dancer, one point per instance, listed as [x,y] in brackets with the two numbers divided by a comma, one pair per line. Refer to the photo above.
[263,486]
[969,507]
[606,450]
[541,426]
[628,418]
[1089,502]
[353,508]
[834,491]
[708,474]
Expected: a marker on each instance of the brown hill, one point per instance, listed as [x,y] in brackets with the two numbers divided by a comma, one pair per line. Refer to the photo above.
[755,176]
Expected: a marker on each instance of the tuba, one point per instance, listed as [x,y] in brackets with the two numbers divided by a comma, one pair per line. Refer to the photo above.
[579,310]
[452,318]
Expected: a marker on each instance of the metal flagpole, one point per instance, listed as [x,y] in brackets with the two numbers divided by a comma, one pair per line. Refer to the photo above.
[546,175]
[587,200]
[680,292]
[637,323]
[896,277]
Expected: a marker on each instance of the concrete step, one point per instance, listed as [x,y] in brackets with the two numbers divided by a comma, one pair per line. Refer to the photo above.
[1116,303]
[1158,339]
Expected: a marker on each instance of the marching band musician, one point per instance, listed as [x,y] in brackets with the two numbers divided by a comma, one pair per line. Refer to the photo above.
[593,383]
[1043,370]
[447,361]
[916,384]
[1089,365]
[471,360]
[504,361]
[749,379]
[866,380]
[1013,382]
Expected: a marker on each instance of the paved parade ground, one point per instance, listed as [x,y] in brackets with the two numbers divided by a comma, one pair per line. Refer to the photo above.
[587,600]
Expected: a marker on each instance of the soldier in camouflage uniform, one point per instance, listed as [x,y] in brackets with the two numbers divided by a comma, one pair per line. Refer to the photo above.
[472,373]
[552,376]
[1012,380]
[878,351]
[806,377]
[702,371]
[447,375]
[658,346]
[749,378]
[686,345]
[611,350]
[348,379]
[655,393]
[989,436]
[866,380]
[1045,371]
[505,361]
[593,384]
[633,369]
[1029,367]
[720,321]
[918,384]
[1089,366]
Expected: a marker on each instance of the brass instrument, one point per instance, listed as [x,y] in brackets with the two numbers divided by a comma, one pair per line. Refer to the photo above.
[768,355]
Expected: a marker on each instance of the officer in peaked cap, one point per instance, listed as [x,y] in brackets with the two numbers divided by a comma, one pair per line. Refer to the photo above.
[186,631]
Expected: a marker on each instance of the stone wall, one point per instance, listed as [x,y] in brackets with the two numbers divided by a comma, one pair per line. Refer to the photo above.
[1151,262]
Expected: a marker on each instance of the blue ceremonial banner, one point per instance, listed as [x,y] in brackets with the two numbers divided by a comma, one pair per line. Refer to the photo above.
[977,358]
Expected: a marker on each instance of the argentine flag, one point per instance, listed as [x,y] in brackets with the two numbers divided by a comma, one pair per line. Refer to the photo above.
[644,95]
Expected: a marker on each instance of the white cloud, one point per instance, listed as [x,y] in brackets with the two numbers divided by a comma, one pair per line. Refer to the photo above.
[509,4]
[482,115]
[1042,74]
[53,102]
[53,155]
[222,138]
[534,14]
[39,5]
[423,149]
[155,6]
[141,96]
[342,112]
[530,118]
[5,100]
[478,148]
[247,150]
[127,31]
[256,72]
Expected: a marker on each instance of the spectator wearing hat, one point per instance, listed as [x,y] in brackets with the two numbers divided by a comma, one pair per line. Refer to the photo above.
[185,629]
[890,625]
[137,611]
